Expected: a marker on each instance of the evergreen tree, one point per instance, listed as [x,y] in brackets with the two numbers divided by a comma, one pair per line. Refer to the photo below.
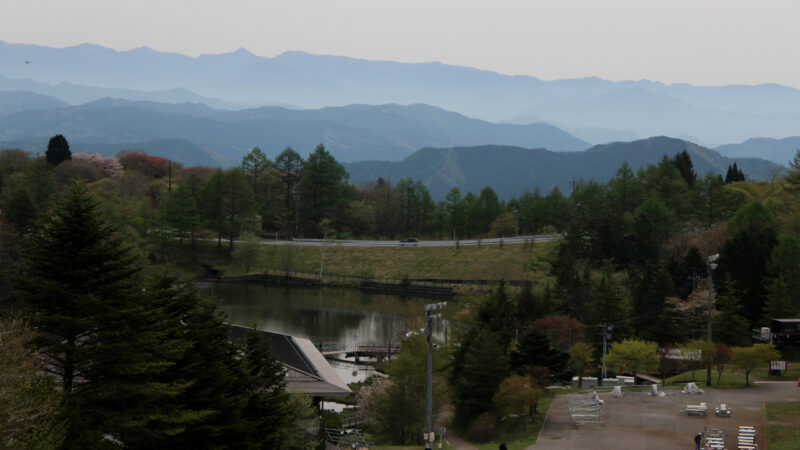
[57,150]
[256,166]
[730,327]
[683,162]
[745,258]
[793,176]
[105,342]
[496,314]
[72,267]
[781,303]
[181,212]
[530,306]
[785,261]
[479,366]
[734,174]
[20,210]
[533,350]
[608,303]
[290,165]
[322,189]
[654,286]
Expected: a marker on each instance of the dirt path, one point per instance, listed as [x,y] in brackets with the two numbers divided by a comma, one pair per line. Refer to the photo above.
[450,436]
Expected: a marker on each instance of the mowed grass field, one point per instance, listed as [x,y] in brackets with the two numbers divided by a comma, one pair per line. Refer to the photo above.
[786,436]
[485,262]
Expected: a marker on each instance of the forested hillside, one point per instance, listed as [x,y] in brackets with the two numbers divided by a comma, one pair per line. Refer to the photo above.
[85,240]
[512,170]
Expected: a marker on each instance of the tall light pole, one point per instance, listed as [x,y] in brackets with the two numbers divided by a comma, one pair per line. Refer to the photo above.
[711,267]
[515,211]
[429,318]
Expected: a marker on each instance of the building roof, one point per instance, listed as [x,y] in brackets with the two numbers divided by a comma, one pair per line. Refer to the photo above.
[307,371]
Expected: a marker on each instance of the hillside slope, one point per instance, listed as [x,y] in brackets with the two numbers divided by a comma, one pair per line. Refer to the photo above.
[512,170]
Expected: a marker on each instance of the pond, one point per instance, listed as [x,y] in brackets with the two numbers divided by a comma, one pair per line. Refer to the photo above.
[337,317]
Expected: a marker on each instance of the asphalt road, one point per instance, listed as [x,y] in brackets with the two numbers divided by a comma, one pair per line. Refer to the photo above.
[364,243]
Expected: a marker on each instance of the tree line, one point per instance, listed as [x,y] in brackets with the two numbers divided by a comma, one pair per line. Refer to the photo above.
[95,353]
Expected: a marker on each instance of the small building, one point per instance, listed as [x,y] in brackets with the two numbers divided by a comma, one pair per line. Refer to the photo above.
[307,370]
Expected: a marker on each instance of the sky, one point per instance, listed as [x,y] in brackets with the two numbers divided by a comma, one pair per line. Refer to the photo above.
[709,42]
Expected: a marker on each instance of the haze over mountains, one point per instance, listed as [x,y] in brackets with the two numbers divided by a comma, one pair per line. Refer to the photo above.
[351,133]
[210,110]
[604,110]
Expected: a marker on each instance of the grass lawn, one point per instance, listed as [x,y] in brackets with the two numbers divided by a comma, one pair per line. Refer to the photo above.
[783,412]
[484,262]
[511,431]
[785,375]
[783,438]
[730,379]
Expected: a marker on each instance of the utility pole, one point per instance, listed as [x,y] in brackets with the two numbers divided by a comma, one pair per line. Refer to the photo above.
[711,267]
[606,336]
[430,317]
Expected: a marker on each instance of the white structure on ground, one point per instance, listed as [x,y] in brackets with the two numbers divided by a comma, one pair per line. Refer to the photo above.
[691,388]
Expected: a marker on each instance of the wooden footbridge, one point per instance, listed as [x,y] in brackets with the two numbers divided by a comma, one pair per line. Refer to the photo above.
[369,349]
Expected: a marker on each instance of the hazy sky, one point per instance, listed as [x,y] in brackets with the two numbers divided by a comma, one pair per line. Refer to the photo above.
[695,41]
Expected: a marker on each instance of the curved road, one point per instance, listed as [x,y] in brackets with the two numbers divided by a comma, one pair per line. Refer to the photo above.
[365,243]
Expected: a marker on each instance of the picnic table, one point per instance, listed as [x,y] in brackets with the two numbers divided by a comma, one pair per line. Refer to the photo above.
[695,410]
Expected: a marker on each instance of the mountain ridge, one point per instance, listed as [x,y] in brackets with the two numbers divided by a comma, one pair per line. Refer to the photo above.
[709,114]
[510,171]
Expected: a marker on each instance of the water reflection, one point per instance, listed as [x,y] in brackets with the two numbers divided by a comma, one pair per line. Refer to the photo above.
[331,315]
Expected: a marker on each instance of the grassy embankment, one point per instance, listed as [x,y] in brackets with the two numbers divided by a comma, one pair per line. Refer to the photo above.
[787,435]
[731,378]
[511,431]
[526,261]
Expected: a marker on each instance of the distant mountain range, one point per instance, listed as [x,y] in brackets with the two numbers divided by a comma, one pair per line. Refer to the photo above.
[780,151]
[351,133]
[594,109]
[512,170]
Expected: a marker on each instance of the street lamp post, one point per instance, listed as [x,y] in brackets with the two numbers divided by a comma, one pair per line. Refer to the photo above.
[515,211]
[711,267]
[429,318]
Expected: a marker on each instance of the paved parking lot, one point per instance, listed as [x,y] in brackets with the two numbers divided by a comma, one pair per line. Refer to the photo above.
[640,421]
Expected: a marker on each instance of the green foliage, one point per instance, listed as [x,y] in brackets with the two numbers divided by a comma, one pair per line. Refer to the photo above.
[400,408]
[322,192]
[745,258]
[581,356]
[533,351]
[749,358]
[20,210]
[72,265]
[608,303]
[785,260]
[699,354]
[248,251]
[730,326]
[722,356]
[632,356]
[781,301]
[478,368]
[29,402]
[57,150]
[734,174]
[516,395]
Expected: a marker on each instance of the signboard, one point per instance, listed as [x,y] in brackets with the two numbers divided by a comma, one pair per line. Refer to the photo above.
[777,365]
